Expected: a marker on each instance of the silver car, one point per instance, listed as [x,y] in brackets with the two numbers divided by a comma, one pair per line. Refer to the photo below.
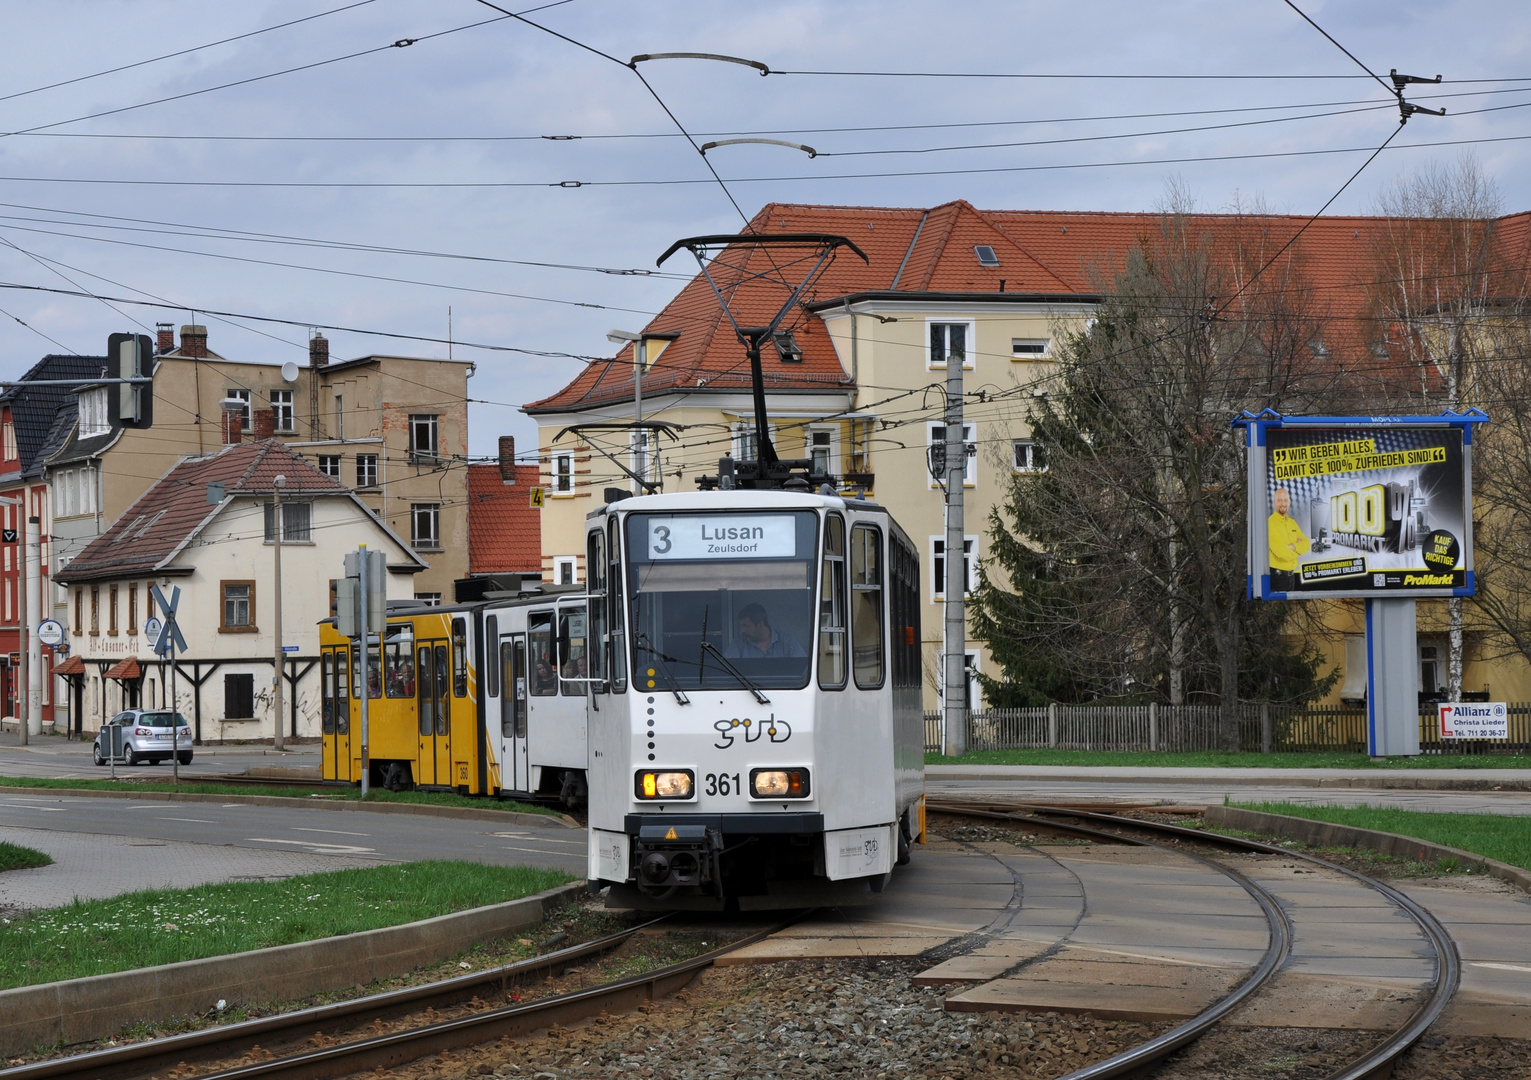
[145,735]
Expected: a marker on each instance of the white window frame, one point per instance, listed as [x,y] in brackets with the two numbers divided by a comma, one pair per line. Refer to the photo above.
[10,441]
[1020,357]
[968,345]
[370,459]
[972,661]
[283,415]
[743,432]
[93,419]
[430,425]
[937,550]
[244,413]
[562,480]
[429,599]
[1031,456]
[642,453]
[432,513]
[329,465]
[970,463]
[833,431]
[562,563]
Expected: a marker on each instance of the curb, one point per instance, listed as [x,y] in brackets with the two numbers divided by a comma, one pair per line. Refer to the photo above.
[1327,834]
[1229,778]
[468,813]
[78,1010]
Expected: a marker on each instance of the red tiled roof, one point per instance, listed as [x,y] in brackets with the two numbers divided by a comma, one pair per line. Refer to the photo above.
[504,532]
[155,527]
[123,669]
[73,666]
[931,251]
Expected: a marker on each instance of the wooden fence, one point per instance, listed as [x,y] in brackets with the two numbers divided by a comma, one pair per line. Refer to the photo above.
[1263,727]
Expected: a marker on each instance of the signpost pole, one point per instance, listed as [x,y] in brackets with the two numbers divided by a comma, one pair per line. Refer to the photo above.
[280,660]
[1392,678]
[364,604]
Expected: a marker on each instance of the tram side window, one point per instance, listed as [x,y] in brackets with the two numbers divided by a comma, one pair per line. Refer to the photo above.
[617,652]
[904,600]
[539,627]
[442,705]
[866,606]
[595,561]
[427,700]
[459,657]
[574,651]
[374,683]
[398,661]
[342,692]
[327,693]
[491,670]
[832,606]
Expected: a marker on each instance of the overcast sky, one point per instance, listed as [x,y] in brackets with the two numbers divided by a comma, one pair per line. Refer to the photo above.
[447,145]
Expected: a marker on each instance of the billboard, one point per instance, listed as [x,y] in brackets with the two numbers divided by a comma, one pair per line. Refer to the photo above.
[1360,506]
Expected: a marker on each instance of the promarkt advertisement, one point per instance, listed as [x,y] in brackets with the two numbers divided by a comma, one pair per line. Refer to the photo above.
[1361,508]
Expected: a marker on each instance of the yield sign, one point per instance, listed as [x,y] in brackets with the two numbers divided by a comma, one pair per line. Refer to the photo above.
[171,632]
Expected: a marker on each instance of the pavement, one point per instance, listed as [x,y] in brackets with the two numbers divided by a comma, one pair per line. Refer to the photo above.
[61,758]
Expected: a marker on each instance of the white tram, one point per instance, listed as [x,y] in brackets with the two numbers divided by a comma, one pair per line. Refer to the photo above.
[755,731]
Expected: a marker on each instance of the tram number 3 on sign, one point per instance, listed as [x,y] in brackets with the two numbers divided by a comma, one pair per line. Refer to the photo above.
[1474,720]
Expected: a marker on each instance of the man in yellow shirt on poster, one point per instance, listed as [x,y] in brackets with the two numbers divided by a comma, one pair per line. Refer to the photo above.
[1286,542]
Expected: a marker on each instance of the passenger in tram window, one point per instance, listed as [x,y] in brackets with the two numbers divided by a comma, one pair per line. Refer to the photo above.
[546,683]
[407,674]
[756,639]
[575,669]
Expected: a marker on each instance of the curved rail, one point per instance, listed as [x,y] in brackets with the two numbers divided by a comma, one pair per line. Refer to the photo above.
[1378,1062]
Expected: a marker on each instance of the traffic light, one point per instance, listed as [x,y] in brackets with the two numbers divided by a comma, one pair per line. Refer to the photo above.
[130,356]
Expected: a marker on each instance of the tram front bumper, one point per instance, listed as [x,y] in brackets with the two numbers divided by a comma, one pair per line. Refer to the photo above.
[671,856]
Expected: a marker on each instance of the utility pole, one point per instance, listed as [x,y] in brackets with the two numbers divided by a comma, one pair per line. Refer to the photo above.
[640,350]
[955,680]
[276,607]
[23,685]
[360,677]
[31,612]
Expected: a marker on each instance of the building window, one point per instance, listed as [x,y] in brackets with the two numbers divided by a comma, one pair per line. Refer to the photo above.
[746,446]
[950,339]
[340,417]
[429,599]
[425,525]
[642,447]
[563,474]
[111,610]
[95,610]
[422,437]
[281,410]
[787,347]
[93,418]
[244,413]
[329,465]
[938,565]
[1027,456]
[823,448]
[566,570]
[295,522]
[1030,348]
[79,622]
[935,441]
[8,438]
[366,470]
[133,608]
[237,615]
[74,491]
[239,697]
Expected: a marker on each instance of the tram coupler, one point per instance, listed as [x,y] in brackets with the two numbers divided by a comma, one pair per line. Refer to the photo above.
[674,856]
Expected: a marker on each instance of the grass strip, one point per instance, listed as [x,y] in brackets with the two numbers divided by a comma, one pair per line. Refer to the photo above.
[167,926]
[16,857]
[1219,759]
[333,794]
[1494,836]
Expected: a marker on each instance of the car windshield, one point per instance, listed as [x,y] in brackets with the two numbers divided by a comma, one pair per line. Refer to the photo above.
[744,579]
[161,719]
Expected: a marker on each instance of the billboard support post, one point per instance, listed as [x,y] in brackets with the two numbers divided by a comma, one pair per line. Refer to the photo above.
[1392,678]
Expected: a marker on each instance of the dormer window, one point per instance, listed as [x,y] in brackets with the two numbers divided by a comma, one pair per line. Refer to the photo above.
[93,418]
[986,256]
[787,348]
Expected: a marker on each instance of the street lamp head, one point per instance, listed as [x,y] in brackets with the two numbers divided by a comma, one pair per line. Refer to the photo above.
[280,482]
[622,337]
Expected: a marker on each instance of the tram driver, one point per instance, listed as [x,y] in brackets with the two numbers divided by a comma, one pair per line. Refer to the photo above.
[757,640]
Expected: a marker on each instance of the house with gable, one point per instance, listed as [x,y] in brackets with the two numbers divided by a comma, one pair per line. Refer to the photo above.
[207,528]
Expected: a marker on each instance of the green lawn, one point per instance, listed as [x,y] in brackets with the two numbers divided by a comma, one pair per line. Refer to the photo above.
[16,857]
[431,798]
[164,926]
[1214,759]
[1494,836]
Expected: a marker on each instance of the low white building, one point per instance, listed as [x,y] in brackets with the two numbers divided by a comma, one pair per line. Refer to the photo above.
[206,528]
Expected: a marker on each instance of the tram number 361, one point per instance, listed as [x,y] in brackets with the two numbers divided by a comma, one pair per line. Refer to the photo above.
[722,783]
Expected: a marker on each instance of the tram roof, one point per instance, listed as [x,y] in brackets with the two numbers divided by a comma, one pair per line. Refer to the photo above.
[740,499]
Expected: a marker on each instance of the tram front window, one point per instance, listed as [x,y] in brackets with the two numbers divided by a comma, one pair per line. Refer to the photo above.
[745,579]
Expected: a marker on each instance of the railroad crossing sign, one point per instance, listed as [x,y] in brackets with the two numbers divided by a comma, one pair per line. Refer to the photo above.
[538,495]
[171,632]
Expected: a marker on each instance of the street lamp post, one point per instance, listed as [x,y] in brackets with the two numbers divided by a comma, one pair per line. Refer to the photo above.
[618,337]
[276,606]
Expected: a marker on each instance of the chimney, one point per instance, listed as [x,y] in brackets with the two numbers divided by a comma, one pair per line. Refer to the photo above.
[164,338]
[318,351]
[507,459]
[194,340]
[265,423]
[233,421]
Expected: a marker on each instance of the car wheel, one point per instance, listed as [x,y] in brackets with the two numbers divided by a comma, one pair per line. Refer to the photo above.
[185,759]
[130,756]
[95,754]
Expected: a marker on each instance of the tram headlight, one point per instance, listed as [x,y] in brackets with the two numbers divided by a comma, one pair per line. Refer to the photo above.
[669,784]
[779,783]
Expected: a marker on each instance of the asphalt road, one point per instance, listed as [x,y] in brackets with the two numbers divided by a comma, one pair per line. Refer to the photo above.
[54,756]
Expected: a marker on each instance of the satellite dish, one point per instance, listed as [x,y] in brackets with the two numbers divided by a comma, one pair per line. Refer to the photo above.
[289,372]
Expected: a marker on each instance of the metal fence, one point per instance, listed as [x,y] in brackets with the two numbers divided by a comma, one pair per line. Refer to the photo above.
[1263,727]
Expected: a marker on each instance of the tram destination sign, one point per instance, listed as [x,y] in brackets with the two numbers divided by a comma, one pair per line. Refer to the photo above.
[708,537]
[1360,506]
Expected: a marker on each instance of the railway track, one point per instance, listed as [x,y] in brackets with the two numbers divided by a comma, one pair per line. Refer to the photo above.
[1378,1062]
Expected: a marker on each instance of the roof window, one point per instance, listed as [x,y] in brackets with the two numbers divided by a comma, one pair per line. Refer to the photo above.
[986,256]
[787,348]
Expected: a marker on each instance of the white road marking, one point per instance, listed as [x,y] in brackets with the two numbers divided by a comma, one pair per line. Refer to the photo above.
[337,832]
[528,836]
[316,846]
[30,806]
[536,851]
[193,820]
[1526,968]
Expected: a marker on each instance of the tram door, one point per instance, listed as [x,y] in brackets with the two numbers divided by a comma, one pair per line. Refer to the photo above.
[516,772]
[337,714]
[433,675]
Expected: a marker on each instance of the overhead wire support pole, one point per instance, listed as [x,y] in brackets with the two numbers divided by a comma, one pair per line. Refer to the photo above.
[954,681]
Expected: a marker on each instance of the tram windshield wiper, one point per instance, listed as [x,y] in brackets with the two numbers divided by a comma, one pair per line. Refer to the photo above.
[640,641]
[728,666]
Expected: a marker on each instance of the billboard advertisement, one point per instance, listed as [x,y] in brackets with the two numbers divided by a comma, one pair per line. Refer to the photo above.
[1360,507]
